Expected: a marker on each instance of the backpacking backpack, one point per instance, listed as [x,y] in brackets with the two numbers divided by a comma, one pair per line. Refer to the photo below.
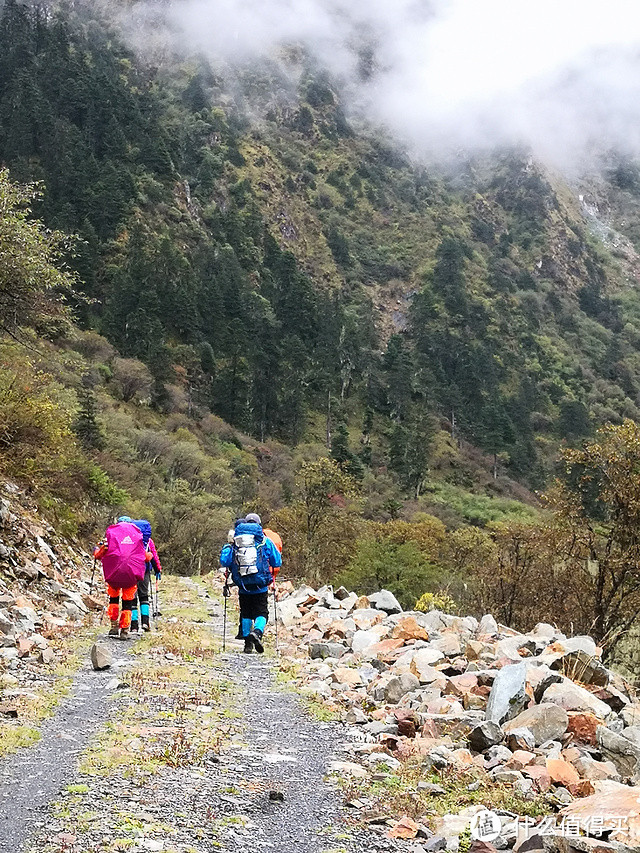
[124,564]
[145,528]
[249,567]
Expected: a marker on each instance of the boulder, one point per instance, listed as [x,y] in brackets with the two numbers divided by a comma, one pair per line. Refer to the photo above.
[520,759]
[484,735]
[398,686]
[448,644]
[520,738]
[408,628]
[385,600]
[348,676]
[100,656]
[422,663]
[508,696]
[572,697]
[630,714]
[561,772]
[583,727]
[623,752]
[6,625]
[545,722]
[362,640]
[615,804]
[30,571]
[488,626]
[583,667]
[356,717]
[47,656]
[326,650]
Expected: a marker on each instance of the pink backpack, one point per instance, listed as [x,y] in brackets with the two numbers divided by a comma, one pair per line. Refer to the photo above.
[124,563]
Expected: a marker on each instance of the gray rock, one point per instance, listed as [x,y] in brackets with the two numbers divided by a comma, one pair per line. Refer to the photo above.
[632,733]
[341,593]
[620,750]
[47,656]
[385,600]
[547,681]
[434,844]
[572,697]
[508,697]
[488,625]
[485,735]
[100,656]
[545,722]
[4,551]
[326,650]
[511,777]
[6,624]
[630,714]
[356,716]
[495,755]
[398,686]
[30,572]
[520,738]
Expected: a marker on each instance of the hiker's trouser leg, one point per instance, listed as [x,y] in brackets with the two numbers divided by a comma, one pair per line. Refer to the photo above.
[114,603]
[254,608]
[143,597]
[128,596]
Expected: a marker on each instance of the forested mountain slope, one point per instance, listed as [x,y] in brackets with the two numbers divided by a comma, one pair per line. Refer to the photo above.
[296,273]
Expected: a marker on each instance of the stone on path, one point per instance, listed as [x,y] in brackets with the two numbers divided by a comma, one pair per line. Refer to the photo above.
[100,656]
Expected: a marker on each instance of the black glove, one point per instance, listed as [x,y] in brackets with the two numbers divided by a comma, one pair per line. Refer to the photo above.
[226,592]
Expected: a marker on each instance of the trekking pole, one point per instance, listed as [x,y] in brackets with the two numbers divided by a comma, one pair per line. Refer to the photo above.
[275,611]
[156,607]
[225,594]
[92,575]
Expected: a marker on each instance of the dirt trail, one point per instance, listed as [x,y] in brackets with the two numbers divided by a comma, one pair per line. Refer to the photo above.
[273,749]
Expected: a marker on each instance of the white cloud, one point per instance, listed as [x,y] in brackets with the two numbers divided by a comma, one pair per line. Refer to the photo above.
[559,75]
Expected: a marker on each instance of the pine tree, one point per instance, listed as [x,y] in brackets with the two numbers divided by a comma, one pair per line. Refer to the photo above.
[86,425]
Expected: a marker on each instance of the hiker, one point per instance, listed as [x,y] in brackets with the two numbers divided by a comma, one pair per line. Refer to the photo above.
[124,563]
[253,561]
[144,585]
[277,541]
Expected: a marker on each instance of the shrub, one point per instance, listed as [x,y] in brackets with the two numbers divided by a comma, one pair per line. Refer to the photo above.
[436,601]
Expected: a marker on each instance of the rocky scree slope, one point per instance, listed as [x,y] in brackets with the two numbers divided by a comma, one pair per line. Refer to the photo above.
[44,603]
[535,716]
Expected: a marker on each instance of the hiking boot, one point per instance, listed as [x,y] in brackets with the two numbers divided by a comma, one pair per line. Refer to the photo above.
[124,633]
[146,626]
[248,645]
[256,637]
[134,628]
[114,630]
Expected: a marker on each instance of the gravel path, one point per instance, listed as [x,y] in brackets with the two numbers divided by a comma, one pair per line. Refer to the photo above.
[32,777]
[264,791]
[286,753]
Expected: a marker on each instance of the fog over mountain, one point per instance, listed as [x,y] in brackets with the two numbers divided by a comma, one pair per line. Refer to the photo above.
[562,78]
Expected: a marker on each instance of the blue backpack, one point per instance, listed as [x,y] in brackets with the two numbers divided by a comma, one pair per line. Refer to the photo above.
[145,528]
[250,567]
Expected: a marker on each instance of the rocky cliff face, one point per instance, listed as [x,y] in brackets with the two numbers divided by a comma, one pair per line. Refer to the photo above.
[44,594]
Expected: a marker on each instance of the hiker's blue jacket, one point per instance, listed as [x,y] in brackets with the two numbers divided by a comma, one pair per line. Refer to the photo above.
[268,558]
